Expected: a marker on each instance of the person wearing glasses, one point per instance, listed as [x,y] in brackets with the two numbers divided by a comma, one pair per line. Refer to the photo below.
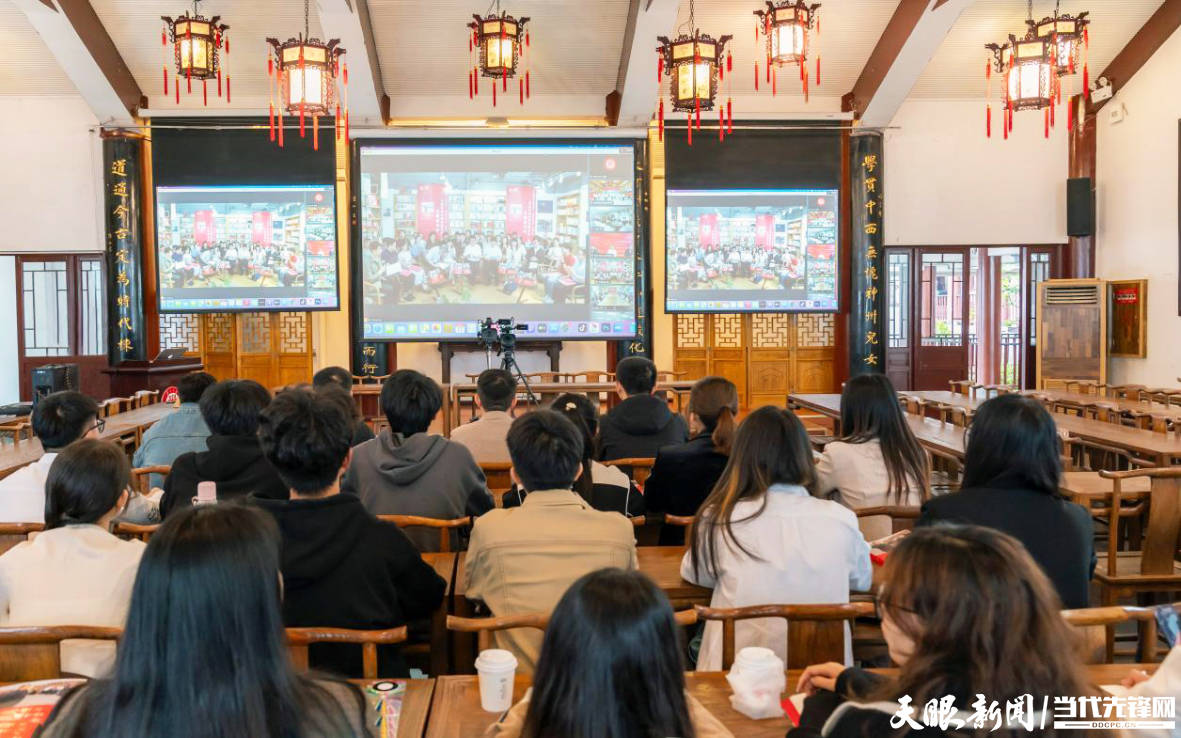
[59,420]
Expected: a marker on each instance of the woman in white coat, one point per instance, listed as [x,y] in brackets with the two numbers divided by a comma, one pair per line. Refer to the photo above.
[761,538]
[76,572]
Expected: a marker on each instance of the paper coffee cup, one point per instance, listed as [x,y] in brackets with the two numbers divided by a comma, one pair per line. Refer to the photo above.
[496,668]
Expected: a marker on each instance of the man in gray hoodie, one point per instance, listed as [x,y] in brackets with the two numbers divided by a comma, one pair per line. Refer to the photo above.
[407,471]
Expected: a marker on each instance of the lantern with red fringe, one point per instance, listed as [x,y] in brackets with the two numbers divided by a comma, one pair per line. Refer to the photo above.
[787,27]
[1068,34]
[499,42]
[306,72]
[695,63]
[195,44]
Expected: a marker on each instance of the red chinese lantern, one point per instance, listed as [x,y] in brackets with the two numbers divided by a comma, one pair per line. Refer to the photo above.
[195,44]
[307,72]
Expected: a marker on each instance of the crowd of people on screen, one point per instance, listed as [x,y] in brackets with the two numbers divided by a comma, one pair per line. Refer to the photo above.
[968,601]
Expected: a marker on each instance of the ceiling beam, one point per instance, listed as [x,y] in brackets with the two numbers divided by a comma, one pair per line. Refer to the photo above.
[1155,31]
[349,21]
[78,41]
[634,100]
[913,35]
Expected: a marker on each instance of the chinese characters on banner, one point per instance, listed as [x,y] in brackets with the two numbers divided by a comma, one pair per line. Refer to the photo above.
[867,339]
[125,317]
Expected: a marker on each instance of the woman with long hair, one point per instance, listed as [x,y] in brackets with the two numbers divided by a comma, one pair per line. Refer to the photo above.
[762,538]
[606,488]
[965,612]
[203,652]
[1012,469]
[877,461]
[610,666]
[683,475]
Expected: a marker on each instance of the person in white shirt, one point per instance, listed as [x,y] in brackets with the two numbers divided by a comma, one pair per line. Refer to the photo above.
[76,572]
[58,420]
[761,538]
[877,461]
[496,396]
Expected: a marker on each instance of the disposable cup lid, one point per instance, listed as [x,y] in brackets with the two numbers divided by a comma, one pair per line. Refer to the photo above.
[496,659]
[756,656]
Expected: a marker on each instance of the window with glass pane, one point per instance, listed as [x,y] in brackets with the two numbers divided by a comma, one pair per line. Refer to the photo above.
[93,307]
[941,295]
[897,300]
[1039,271]
[45,301]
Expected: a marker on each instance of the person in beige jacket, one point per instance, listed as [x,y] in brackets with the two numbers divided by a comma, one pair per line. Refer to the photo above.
[522,560]
[615,630]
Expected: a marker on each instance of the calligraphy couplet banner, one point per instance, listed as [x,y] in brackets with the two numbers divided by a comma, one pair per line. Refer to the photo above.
[867,339]
[370,359]
[124,250]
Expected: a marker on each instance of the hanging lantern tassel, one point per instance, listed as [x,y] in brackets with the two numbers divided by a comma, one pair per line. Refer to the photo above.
[1005,122]
[1052,112]
[336,122]
[729,62]
[721,124]
[219,81]
[470,94]
[227,88]
[774,81]
[817,68]
[988,121]
[315,133]
[279,122]
[526,84]
[475,82]
[697,111]
[659,69]
[204,93]
[1070,115]
[660,120]
[756,75]
[805,84]
[165,81]
[1046,116]
[521,90]
[164,46]
[730,115]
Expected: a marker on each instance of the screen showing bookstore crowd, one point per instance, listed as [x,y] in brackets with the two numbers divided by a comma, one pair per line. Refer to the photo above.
[246,248]
[544,234]
[752,250]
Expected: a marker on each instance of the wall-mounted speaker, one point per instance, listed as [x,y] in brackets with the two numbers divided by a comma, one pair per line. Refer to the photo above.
[1080,207]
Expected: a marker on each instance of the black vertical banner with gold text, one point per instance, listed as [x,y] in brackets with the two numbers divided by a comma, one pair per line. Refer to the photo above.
[867,343]
[124,249]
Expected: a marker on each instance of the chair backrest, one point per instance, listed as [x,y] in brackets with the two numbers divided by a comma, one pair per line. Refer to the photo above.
[954,414]
[961,386]
[1090,455]
[911,404]
[815,633]
[13,533]
[669,376]
[370,378]
[134,530]
[1102,411]
[1164,520]
[639,468]
[1124,391]
[29,653]
[143,398]
[114,405]
[901,517]
[498,477]
[590,377]
[485,627]
[444,526]
[141,477]
[1091,623]
[298,640]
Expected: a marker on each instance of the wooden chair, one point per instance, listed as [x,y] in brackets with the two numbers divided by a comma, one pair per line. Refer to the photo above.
[961,386]
[141,477]
[13,533]
[29,653]
[298,640]
[1085,387]
[1156,422]
[901,517]
[590,377]
[499,478]
[1088,622]
[485,627]
[954,414]
[17,430]
[667,376]
[143,398]
[445,527]
[1125,391]
[134,530]
[639,468]
[911,404]
[1104,412]
[815,633]
[1154,568]
[114,406]
[1089,455]
[370,378]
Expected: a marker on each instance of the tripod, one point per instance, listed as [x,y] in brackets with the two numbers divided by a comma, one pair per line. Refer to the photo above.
[508,362]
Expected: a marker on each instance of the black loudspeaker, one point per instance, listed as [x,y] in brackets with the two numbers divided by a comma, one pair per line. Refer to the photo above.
[1080,207]
[54,378]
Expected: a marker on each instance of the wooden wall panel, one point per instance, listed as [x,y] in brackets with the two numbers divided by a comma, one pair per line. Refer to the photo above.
[274,349]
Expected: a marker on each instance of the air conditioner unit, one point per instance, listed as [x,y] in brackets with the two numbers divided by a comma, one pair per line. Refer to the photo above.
[1071,332]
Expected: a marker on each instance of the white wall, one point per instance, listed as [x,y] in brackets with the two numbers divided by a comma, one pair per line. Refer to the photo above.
[1136,201]
[947,184]
[576,356]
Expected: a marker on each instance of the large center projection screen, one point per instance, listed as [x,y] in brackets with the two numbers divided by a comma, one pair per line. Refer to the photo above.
[543,233]
[739,251]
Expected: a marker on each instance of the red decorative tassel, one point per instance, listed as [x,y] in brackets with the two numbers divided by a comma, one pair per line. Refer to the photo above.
[271,120]
[1086,80]
[504,82]
[526,84]
[805,84]
[346,125]
[697,110]
[756,32]
[729,62]
[521,90]
[1046,116]
[756,76]
[204,94]
[470,95]
[345,74]
[526,39]
[660,119]
[227,44]
[219,82]
[1053,113]
[659,69]
[768,80]
[163,37]
[475,82]
[165,81]
[721,73]
[817,70]
[189,82]
[301,120]
[315,133]
[270,65]
[721,124]
[280,126]
[774,81]
[988,122]
[1005,122]
[176,89]
[227,88]
[730,115]
[689,127]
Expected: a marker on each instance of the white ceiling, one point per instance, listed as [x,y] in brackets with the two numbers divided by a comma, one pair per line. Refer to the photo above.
[28,68]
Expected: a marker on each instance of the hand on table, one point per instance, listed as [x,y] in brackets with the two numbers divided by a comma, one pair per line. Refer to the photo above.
[1134,677]
[820,676]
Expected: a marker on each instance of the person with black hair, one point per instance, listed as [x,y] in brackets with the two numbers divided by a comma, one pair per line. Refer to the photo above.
[178,432]
[408,471]
[522,559]
[496,396]
[606,488]
[58,420]
[76,572]
[337,378]
[1012,467]
[615,630]
[342,567]
[203,652]
[642,423]
[234,461]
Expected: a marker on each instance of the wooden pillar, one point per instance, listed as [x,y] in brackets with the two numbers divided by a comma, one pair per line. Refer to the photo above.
[1079,260]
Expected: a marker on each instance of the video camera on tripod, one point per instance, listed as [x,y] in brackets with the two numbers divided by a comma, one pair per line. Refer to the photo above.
[499,336]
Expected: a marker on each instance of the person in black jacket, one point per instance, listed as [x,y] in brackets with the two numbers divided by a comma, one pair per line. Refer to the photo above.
[234,460]
[339,378]
[642,423]
[1012,466]
[341,566]
[684,475]
[965,612]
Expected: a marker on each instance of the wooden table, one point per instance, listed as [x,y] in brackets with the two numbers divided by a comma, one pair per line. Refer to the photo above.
[1085,487]
[444,566]
[416,704]
[456,711]
[943,439]
[117,426]
[1125,406]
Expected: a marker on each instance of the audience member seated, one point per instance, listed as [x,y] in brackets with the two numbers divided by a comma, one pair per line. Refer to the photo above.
[877,461]
[614,632]
[342,567]
[178,432]
[408,471]
[1012,466]
[204,652]
[496,396]
[76,572]
[684,475]
[761,538]
[642,423]
[522,560]
[606,488]
[58,420]
[965,612]
[234,461]
[340,378]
